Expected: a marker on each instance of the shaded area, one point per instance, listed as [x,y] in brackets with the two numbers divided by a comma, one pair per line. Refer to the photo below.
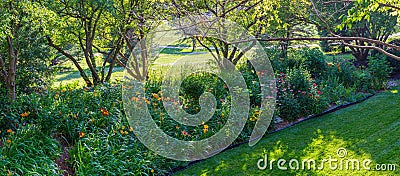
[62,161]
[70,76]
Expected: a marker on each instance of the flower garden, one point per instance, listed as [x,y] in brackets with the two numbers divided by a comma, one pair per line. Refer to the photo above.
[85,130]
[87,87]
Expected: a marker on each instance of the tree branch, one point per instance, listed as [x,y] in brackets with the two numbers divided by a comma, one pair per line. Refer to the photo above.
[234,7]
[324,38]
[348,1]
[375,48]
[69,56]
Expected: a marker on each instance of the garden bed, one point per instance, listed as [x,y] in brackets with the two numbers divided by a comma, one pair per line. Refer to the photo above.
[94,137]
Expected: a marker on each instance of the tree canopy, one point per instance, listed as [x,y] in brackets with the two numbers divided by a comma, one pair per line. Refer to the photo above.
[32,32]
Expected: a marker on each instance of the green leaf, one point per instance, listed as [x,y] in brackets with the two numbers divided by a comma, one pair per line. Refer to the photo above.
[350,25]
[367,17]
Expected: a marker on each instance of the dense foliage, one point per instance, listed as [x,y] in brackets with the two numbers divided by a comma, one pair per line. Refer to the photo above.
[92,121]
[84,123]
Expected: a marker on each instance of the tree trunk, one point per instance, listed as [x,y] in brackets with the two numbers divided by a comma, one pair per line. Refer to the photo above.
[11,70]
[69,56]
[193,44]
[89,58]
[361,56]
[343,48]
[285,46]
[119,45]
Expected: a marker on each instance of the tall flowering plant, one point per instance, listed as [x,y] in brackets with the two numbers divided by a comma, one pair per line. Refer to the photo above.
[298,94]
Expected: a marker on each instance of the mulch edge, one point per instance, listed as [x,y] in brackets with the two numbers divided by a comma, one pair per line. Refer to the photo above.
[63,160]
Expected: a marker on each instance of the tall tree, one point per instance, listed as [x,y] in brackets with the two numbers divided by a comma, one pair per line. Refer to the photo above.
[359,21]
[134,19]
[244,12]
[21,32]
[81,23]
[263,19]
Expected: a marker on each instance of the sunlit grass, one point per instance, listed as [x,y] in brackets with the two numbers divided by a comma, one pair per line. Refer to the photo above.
[368,130]
[68,77]
[160,66]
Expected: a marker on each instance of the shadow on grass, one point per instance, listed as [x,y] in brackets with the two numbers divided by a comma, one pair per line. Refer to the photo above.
[70,75]
[369,130]
[182,50]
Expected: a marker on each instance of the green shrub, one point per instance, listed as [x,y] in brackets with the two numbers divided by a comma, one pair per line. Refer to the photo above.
[334,90]
[395,64]
[380,71]
[313,60]
[298,95]
[343,70]
[362,80]
[280,64]
[253,84]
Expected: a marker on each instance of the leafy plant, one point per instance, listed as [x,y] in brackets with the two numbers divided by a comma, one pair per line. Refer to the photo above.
[314,61]
[298,95]
[28,151]
[380,70]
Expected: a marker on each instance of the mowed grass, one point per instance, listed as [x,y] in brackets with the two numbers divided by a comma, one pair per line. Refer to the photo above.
[160,66]
[369,130]
[68,77]
[331,58]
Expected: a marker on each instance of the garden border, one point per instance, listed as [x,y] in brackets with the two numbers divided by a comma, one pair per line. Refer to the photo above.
[330,110]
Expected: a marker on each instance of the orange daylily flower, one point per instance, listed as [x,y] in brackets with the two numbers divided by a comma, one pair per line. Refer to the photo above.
[135,99]
[81,134]
[25,114]
[9,131]
[205,128]
[156,96]
[104,111]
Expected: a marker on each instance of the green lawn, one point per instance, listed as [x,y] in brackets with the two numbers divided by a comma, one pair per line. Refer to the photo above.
[68,77]
[369,130]
[160,66]
[330,58]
